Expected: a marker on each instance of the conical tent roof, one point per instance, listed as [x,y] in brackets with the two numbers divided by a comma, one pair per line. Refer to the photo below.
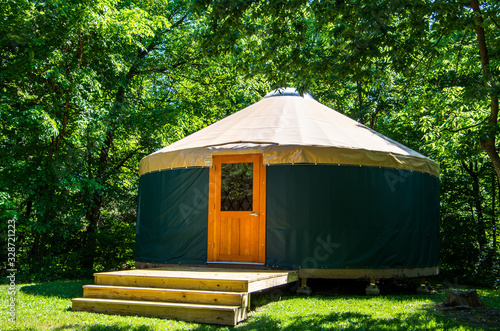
[288,128]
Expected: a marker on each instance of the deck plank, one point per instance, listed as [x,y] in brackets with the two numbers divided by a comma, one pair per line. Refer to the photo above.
[178,282]
[224,315]
[164,295]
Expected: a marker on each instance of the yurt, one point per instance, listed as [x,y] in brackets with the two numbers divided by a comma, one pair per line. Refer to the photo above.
[288,183]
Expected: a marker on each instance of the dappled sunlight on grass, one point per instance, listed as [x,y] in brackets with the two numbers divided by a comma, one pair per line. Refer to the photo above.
[48,306]
[490,297]
[345,313]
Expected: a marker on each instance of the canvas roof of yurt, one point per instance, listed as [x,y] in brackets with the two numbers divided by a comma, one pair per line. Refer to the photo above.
[288,128]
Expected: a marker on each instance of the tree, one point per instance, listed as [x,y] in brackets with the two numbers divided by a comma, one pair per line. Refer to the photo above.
[423,72]
[87,89]
[322,43]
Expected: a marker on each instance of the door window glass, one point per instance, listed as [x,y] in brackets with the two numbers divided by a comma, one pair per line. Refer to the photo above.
[236,187]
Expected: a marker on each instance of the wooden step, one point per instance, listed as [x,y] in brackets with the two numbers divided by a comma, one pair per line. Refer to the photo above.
[165,295]
[151,280]
[212,314]
[197,294]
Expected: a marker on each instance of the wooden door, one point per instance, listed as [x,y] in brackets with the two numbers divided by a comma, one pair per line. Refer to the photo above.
[237,209]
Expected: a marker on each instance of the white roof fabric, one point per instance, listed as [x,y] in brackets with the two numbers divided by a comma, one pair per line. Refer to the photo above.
[287,129]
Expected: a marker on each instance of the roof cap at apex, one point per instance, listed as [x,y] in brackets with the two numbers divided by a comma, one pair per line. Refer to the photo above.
[287,91]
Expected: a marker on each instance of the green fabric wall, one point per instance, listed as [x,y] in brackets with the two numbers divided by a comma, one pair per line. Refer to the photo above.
[172,216]
[318,216]
[328,216]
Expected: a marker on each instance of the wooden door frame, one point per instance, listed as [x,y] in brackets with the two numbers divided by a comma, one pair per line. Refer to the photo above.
[214,200]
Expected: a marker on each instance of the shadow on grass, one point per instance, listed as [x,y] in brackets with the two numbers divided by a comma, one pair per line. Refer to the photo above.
[61,289]
[333,321]
[421,319]
[105,327]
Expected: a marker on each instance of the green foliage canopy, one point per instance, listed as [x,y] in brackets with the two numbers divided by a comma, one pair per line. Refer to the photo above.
[423,72]
[87,89]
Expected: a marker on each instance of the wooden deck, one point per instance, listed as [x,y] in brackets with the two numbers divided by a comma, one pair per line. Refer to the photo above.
[197,294]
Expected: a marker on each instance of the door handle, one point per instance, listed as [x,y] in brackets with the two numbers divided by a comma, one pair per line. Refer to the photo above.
[254,214]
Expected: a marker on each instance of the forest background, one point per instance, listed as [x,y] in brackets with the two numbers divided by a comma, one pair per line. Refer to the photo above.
[88,88]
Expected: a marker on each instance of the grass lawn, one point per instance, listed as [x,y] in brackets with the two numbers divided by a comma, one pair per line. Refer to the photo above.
[47,306]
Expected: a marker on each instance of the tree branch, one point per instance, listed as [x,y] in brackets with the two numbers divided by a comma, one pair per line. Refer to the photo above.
[425,57]
[495,22]
[129,155]
[458,57]
[179,22]
[469,169]
[465,128]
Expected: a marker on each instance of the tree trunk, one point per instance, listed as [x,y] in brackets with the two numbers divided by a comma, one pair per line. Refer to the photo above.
[473,172]
[458,298]
[93,216]
[489,143]
[360,101]
[493,213]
